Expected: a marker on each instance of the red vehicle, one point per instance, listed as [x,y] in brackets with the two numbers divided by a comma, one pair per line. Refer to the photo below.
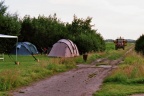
[120,43]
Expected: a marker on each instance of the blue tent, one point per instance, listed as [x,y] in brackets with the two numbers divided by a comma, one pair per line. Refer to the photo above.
[25,48]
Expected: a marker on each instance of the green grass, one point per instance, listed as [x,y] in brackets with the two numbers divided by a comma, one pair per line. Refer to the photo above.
[29,70]
[117,89]
[109,53]
[131,71]
[110,46]
[125,80]
[13,76]
[113,54]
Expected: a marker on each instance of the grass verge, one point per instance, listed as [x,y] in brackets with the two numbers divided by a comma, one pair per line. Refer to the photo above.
[14,76]
[127,79]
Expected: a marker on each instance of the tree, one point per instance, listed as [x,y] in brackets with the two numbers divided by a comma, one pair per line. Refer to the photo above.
[9,25]
[139,45]
[42,31]
[45,31]
[79,26]
[3,8]
[86,38]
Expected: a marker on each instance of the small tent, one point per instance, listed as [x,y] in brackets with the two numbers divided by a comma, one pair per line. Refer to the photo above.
[64,48]
[25,48]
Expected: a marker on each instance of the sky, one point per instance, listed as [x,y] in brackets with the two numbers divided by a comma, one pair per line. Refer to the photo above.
[112,18]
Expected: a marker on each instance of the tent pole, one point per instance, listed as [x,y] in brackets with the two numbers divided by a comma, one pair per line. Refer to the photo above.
[16,49]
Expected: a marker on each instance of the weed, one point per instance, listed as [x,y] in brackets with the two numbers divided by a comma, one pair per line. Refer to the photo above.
[127,79]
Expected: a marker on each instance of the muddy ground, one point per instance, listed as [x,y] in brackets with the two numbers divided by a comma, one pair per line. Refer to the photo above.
[82,81]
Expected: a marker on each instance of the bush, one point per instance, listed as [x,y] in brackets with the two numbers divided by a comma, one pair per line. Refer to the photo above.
[9,25]
[139,46]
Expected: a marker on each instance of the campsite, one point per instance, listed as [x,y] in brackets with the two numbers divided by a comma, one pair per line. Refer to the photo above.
[30,70]
[46,56]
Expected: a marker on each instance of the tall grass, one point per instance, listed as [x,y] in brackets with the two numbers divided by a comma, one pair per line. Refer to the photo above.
[125,80]
[131,71]
[29,70]
[113,54]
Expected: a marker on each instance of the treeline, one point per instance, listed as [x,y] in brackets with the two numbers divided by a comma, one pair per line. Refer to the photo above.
[45,31]
[139,46]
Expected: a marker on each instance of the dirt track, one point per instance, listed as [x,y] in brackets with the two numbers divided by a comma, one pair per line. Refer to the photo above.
[83,81]
[79,82]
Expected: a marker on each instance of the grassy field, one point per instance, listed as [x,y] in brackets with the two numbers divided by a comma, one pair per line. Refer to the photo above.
[29,70]
[127,79]
[13,76]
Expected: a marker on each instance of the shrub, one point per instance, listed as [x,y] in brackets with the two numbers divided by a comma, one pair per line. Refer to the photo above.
[139,46]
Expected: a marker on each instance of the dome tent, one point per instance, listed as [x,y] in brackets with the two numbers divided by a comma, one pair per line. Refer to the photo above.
[64,48]
[25,48]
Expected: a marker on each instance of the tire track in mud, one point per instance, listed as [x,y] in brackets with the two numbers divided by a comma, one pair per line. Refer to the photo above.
[82,81]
